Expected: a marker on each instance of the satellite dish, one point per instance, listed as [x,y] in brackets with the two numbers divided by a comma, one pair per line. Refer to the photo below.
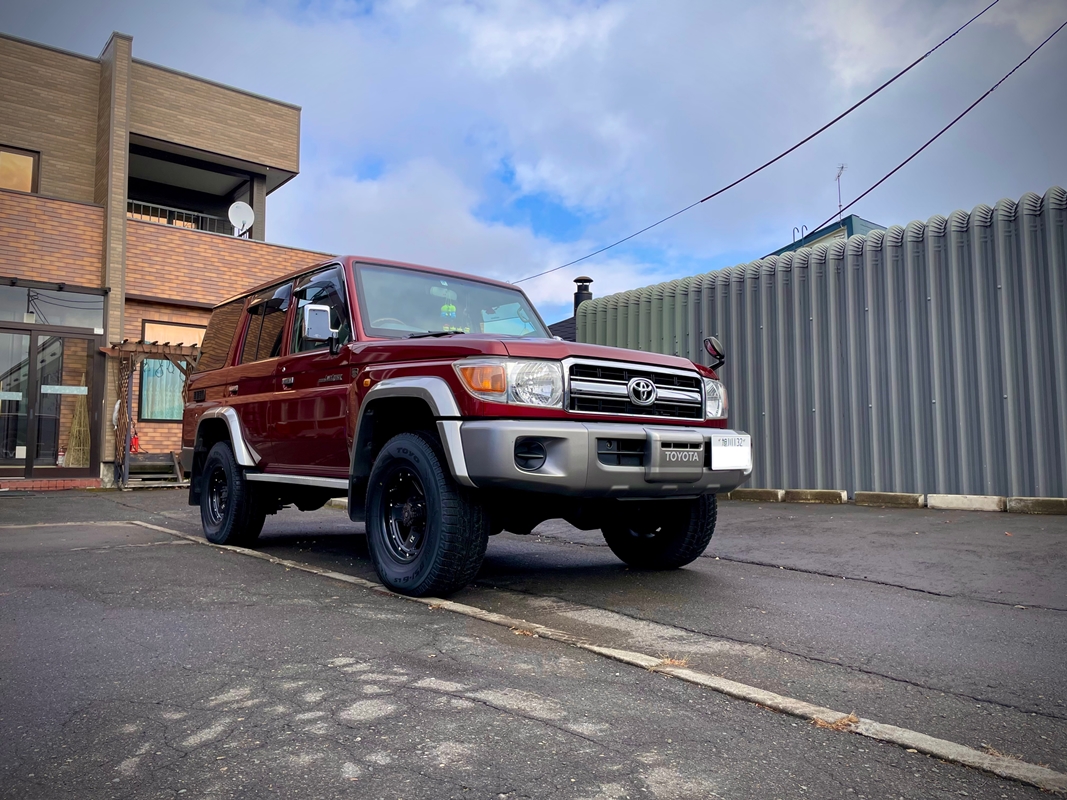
[241,216]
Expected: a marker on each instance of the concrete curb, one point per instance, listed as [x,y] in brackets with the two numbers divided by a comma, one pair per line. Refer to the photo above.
[890,499]
[833,497]
[1037,505]
[966,502]
[340,503]
[827,718]
[757,495]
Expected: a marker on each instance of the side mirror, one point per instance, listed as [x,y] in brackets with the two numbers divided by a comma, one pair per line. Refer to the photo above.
[714,348]
[317,325]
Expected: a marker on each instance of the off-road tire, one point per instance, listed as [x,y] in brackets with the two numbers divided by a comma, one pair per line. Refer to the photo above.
[237,518]
[455,526]
[662,535]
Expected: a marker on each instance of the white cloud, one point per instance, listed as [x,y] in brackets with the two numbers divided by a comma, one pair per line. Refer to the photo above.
[512,34]
[422,214]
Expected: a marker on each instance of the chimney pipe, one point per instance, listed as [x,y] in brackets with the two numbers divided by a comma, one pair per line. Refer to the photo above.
[582,293]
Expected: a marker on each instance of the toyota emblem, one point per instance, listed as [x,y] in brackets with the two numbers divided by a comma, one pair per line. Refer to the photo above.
[642,391]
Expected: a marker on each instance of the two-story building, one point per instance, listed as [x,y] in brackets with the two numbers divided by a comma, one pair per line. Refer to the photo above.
[116,176]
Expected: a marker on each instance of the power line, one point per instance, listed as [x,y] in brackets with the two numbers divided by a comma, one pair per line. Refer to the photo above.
[937,136]
[774,160]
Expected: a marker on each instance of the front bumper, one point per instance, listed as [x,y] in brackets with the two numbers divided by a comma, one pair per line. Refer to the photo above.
[574,467]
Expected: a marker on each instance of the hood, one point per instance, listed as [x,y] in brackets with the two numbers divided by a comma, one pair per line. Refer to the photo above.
[553,348]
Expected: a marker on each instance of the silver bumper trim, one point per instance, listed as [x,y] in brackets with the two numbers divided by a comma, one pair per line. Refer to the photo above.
[572,466]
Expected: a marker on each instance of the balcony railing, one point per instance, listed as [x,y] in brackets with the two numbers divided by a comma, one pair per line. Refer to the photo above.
[164,215]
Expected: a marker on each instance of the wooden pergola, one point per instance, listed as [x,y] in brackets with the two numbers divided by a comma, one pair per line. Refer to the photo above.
[129,355]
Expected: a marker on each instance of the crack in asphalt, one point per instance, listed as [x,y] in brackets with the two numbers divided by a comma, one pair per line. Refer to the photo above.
[797,654]
[804,570]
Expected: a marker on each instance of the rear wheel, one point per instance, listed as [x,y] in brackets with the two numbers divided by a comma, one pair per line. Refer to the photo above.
[663,535]
[230,509]
[426,534]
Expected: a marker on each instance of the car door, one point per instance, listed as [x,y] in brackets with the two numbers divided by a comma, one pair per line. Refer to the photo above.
[309,413]
[252,381]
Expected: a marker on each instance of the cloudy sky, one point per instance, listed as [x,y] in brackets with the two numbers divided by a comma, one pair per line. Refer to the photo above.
[505,137]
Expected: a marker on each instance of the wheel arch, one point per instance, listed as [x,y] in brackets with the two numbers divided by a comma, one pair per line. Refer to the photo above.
[398,405]
[219,424]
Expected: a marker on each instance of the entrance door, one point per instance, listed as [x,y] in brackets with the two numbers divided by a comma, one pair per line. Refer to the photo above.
[15,398]
[66,416]
[49,410]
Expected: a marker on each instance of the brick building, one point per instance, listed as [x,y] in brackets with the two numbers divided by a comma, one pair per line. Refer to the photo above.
[115,180]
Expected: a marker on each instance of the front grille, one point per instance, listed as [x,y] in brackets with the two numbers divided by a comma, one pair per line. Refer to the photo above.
[598,388]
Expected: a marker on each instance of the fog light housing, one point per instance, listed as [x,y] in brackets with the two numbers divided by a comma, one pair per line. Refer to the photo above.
[530,454]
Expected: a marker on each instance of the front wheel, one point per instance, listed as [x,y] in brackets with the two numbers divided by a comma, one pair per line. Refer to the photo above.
[426,534]
[662,535]
[230,509]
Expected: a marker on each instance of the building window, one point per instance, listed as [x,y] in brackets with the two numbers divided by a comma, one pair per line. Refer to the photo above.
[18,169]
[162,398]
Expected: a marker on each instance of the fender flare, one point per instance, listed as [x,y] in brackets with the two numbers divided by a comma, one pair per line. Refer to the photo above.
[242,451]
[437,395]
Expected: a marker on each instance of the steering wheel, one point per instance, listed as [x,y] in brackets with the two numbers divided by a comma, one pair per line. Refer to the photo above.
[376,323]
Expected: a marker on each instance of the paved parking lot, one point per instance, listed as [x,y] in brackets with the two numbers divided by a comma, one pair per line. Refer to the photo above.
[137,663]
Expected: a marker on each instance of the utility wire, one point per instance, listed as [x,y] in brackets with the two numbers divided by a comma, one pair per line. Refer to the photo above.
[937,136]
[777,158]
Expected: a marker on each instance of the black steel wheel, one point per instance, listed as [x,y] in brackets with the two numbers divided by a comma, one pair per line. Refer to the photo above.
[426,534]
[662,535]
[404,514]
[230,511]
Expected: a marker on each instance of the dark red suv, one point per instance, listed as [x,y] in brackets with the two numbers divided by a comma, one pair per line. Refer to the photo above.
[442,408]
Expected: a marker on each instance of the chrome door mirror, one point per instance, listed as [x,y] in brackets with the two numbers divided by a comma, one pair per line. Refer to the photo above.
[317,324]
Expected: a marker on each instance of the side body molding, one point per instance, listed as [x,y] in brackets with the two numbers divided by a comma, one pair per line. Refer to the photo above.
[245,455]
[437,394]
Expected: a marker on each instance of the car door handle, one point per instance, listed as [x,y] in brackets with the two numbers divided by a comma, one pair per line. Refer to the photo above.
[232,389]
[287,381]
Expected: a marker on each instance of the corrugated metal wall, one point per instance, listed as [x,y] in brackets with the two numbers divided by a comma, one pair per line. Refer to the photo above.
[929,358]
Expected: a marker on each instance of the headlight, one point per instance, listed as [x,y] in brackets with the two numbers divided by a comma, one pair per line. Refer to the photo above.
[525,382]
[714,399]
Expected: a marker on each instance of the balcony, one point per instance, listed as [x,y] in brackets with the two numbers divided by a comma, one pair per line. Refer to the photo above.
[193,220]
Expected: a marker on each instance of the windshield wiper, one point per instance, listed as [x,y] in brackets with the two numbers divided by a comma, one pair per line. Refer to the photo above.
[429,334]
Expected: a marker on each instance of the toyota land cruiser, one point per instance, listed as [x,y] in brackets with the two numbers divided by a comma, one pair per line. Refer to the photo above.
[441,407]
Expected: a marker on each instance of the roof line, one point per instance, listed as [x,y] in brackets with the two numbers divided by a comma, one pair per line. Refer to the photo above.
[59,50]
[219,84]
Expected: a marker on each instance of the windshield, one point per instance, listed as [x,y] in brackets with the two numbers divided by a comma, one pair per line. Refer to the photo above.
[396,302]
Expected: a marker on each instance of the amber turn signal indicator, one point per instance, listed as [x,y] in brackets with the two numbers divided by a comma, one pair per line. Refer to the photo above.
[487,378]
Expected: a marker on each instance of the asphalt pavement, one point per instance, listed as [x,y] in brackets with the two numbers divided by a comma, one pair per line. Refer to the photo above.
[136,663]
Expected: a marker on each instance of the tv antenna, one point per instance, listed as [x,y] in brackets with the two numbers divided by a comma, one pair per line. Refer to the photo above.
[241,217]
[840,171]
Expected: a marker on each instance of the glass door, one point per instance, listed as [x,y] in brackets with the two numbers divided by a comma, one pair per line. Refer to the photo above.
[15,397]
[49,409]
[63,432]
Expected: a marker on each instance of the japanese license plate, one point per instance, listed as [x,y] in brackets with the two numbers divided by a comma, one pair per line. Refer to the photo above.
[731,450]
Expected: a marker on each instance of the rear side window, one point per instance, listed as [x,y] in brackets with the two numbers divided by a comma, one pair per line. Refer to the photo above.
[267,324]
[219,336]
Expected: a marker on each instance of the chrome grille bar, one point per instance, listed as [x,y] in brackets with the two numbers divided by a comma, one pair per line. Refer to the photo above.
[601,387]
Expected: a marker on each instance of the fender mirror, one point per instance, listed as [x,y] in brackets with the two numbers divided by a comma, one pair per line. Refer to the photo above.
[714,348]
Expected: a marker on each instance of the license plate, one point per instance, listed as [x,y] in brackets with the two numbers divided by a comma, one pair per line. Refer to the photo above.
[731,450]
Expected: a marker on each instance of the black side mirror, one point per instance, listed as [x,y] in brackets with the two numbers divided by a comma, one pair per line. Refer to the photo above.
[714,348]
